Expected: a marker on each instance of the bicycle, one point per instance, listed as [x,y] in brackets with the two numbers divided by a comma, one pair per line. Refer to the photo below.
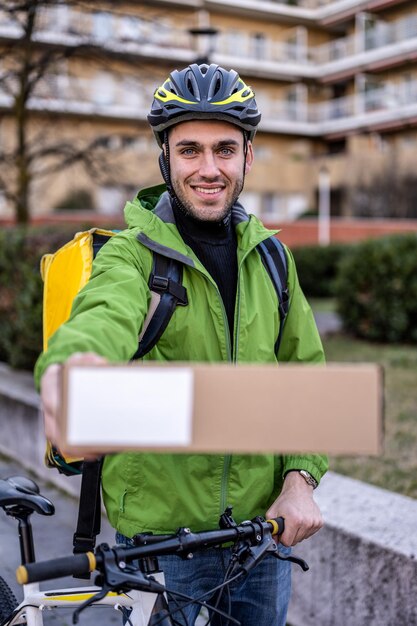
[129,579]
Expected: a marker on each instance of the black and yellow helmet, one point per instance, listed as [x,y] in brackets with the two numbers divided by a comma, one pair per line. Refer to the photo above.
[203,92]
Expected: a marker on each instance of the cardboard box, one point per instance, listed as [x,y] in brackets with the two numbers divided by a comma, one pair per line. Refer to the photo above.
[288,408]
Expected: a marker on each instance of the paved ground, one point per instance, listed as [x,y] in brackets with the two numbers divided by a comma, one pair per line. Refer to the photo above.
[327,322]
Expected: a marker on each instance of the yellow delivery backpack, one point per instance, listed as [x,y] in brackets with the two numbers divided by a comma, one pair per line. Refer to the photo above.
[64,273]
[67,270]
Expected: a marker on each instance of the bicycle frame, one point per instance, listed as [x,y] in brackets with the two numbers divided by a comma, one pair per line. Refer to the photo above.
[20,497]
[30,610]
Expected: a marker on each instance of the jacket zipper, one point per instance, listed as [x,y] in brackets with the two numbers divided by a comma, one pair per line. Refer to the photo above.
[227,458]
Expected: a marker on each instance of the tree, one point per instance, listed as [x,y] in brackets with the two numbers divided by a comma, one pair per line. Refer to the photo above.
[389,193]
[32,151]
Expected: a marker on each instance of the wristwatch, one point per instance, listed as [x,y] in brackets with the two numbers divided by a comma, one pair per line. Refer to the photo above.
[310,480]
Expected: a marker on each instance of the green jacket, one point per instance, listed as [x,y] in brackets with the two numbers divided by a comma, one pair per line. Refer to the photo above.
[160,492]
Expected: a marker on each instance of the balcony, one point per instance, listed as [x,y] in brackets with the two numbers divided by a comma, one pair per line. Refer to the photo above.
[103,95]
[370,48]
[308,12]
[110,96]
[375,45]
[386,106]
[119,34]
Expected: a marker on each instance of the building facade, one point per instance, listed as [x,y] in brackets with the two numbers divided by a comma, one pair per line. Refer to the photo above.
[336,81]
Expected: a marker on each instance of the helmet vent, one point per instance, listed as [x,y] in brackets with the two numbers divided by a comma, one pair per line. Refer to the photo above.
[192,86]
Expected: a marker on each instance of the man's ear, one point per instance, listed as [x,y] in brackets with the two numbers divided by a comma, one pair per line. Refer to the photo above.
[249,158]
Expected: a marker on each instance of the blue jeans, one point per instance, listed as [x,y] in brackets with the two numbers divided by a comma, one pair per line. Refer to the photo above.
[259,599]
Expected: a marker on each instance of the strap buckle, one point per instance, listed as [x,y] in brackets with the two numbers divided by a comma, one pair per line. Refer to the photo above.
[162,284]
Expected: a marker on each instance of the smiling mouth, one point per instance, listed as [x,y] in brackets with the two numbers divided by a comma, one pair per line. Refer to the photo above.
[208,191]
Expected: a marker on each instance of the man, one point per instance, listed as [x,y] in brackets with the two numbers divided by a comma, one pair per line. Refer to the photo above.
[204,119]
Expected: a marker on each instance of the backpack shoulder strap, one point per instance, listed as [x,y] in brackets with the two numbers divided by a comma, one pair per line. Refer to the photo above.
[274,259]
[89,509]
[165,283]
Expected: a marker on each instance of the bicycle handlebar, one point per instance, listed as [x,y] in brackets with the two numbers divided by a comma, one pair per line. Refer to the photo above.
[183,542]
[75,565]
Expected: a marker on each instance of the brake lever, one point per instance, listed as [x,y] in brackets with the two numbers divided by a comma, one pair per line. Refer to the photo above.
[255,554]
[95,598]
[117,576]
[293,559]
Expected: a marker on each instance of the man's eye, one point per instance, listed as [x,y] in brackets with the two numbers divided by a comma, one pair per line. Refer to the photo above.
[226,151]
[188,151]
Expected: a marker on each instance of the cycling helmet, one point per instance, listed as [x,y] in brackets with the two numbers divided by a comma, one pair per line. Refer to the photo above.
[203,92]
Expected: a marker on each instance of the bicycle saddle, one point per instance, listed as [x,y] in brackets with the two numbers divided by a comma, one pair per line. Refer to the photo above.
[24,492]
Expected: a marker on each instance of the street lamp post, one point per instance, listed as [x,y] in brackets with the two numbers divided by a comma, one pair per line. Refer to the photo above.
[324,207]
[205,42]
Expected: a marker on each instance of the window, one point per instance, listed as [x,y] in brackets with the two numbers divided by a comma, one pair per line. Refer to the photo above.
[103,26]
[259,46]
[129,28]
[111,200]
[103,89]
[252,200]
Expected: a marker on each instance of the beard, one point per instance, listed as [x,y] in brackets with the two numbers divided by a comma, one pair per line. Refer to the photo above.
[202,215]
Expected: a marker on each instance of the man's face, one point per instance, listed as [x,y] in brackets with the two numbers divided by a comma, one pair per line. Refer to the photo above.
[207,165]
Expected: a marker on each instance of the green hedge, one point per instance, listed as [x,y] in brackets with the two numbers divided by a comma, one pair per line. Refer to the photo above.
[376,290]
[21,290]
[376,287]
[317,268]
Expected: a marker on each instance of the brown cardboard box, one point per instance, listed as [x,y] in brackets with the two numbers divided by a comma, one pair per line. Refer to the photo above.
[223,408]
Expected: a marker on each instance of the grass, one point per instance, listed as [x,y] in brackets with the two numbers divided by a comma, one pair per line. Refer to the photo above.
[396,468]
[322,305]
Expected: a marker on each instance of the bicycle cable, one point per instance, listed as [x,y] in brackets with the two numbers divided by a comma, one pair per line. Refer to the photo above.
[225,588]
[200,600]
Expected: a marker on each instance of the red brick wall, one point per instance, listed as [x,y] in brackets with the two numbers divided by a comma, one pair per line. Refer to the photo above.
[302,232]
[305,232]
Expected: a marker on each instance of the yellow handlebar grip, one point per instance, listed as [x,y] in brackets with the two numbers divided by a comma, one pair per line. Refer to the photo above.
[91,560]
[22,575]
[274,525]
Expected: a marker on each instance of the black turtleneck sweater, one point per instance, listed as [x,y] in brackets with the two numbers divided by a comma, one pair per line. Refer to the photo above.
[215,245]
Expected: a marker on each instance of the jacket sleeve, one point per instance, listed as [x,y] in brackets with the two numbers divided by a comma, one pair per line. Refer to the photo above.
[301,343]
[108,313]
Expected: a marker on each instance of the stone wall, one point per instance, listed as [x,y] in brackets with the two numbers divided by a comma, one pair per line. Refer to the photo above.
[363,563]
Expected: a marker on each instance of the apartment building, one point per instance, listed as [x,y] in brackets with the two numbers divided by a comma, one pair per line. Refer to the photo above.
[336,81]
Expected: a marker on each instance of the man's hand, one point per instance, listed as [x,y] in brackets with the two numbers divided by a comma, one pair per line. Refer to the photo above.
[51,390]
[297,506]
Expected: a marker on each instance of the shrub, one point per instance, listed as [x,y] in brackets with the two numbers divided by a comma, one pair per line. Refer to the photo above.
[21,290]
[317,268]
[76,200]
[376,289]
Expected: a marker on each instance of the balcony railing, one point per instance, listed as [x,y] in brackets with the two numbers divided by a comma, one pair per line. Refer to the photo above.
[72,26]
[128,98]
[160,38]
[376,36]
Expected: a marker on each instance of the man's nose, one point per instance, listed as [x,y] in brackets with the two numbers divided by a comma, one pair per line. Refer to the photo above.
[208,165]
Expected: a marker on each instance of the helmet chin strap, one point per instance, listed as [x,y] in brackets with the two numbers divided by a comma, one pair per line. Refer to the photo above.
[164,166]
[245,153]
[166,175]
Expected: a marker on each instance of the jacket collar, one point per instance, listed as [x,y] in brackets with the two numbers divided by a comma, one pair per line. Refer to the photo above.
[164,211]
